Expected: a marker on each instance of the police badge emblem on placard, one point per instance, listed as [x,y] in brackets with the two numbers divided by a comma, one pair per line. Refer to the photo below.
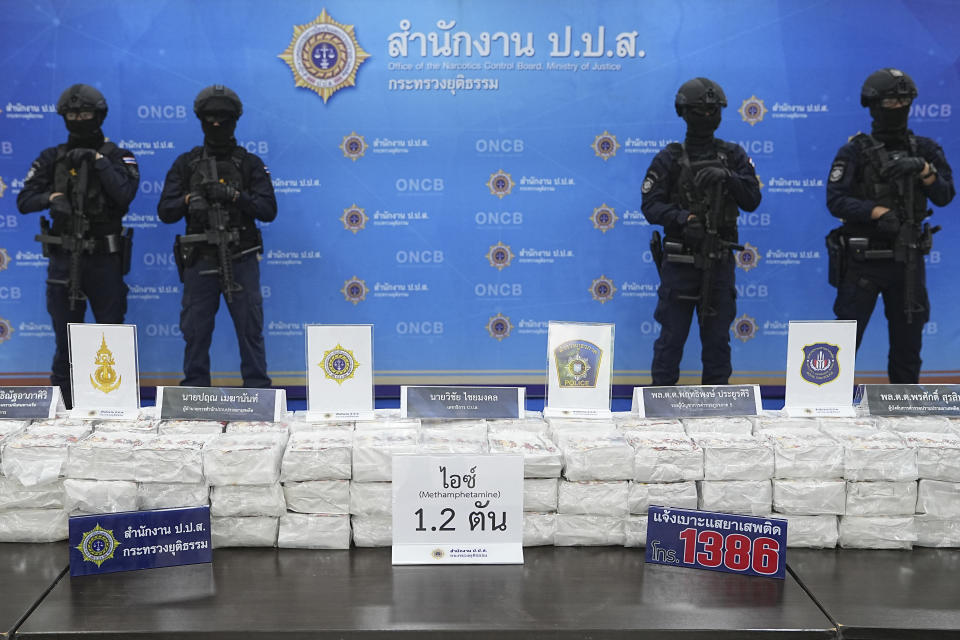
[578,363]
[324,56]
[579,369]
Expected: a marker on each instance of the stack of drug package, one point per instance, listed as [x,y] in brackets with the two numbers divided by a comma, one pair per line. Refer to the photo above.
[542,464]
[666,467]
[169,466]
[371,487]
[737,466]
[242,467]
[937,443]
[880,469]
[593,496]
[315,472]
[808,487]
[32,497]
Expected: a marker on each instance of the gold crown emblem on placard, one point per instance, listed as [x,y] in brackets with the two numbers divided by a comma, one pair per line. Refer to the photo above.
[105,378]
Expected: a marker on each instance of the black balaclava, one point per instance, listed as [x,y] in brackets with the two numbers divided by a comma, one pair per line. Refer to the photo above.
[890,125]
[219,139]
[85,133]
[700,128]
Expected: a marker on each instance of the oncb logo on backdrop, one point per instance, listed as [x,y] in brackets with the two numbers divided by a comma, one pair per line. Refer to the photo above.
[324,55]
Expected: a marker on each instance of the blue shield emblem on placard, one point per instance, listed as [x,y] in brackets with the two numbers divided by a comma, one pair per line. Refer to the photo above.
[820,363]
[578,363]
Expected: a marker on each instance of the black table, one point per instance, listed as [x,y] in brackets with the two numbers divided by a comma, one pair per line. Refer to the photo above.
[27,571]
[885,594]
[596,593]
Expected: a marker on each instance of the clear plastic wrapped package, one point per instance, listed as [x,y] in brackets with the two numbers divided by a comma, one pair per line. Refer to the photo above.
[389,422]
[539,529]
[247,501]
[840,425]
[812,532]
[72,426]
[180,427]
[628,421]
[938,454]
[927,424]
[99,496]
[171,458]
[593,498]
[298,424]
[243,532]
[372,531]
[34,525]
[38,457]
[318,496]
[243,458]
[806,453]
[877,532]
[595,456]
[139,427]
[172,495]
[373,452]
[933,531]
[470,439]
[680,495]
[809,497]
[540,494]
[103,455]
[735,457]
[320,454]
[778,421]
[541,458]
[750,497]
[314,531]
[635,530]
[881,498]
[665,457]
[589,531]
[938,498]
[536,425]
[14,495]
[559,426]
[371,498]
[254,426]
[876,455]
[729,426]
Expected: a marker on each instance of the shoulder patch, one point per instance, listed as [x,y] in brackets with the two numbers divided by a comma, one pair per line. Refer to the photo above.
[837,171]
[129,160]
[648,182]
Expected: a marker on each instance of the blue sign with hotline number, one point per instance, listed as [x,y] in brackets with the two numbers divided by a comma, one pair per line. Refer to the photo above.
[717,541]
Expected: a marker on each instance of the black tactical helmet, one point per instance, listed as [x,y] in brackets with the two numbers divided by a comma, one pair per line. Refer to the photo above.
[697,92]
[217,98]
[82,97]
[887,83]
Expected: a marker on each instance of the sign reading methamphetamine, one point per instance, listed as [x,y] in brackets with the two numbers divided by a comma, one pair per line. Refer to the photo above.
[461,402]
[221,403]
[697,401]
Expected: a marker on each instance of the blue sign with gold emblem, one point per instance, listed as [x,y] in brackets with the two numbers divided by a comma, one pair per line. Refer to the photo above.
[110,542]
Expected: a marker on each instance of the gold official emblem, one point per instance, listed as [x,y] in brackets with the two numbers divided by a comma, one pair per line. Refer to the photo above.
[500,183]
[752,110]
[97,545]
[3,187]
[324,56]
[105,378]
[602,289]
[4,259]
[6,330]
[500,256]
[354,218]
[603,218]
[605,145]
[338,364]
[499,327]
[749,258]
[744,328]
[354,290]
[353,146]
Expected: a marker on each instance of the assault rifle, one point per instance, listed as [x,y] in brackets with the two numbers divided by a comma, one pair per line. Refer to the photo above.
[74,240]
[218,233]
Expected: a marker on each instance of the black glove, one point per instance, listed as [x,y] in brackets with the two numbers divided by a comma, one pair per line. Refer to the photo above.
[906,166]
[79,155]
[710,176]
[693,234]
[198,205]
[60,206]
[888,225]
[222,193]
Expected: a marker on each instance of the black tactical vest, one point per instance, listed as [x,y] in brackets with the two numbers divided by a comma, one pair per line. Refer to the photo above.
[94,205]
[685,193]
[229,171]
[871,185]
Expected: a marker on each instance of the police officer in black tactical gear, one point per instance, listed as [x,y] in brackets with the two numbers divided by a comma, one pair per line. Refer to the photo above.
[88,185]
[221,190]
[694,190]
[879,185]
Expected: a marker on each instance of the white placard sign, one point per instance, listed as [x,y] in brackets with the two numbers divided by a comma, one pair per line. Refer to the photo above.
[821,358]
[104,371]
[579,369]
[458,509]
[339,372]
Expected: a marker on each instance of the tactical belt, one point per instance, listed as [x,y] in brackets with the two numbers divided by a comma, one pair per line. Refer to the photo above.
[864,248]
[112,243]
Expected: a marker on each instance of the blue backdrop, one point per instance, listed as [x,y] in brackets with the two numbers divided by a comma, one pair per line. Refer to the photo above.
[481,176]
